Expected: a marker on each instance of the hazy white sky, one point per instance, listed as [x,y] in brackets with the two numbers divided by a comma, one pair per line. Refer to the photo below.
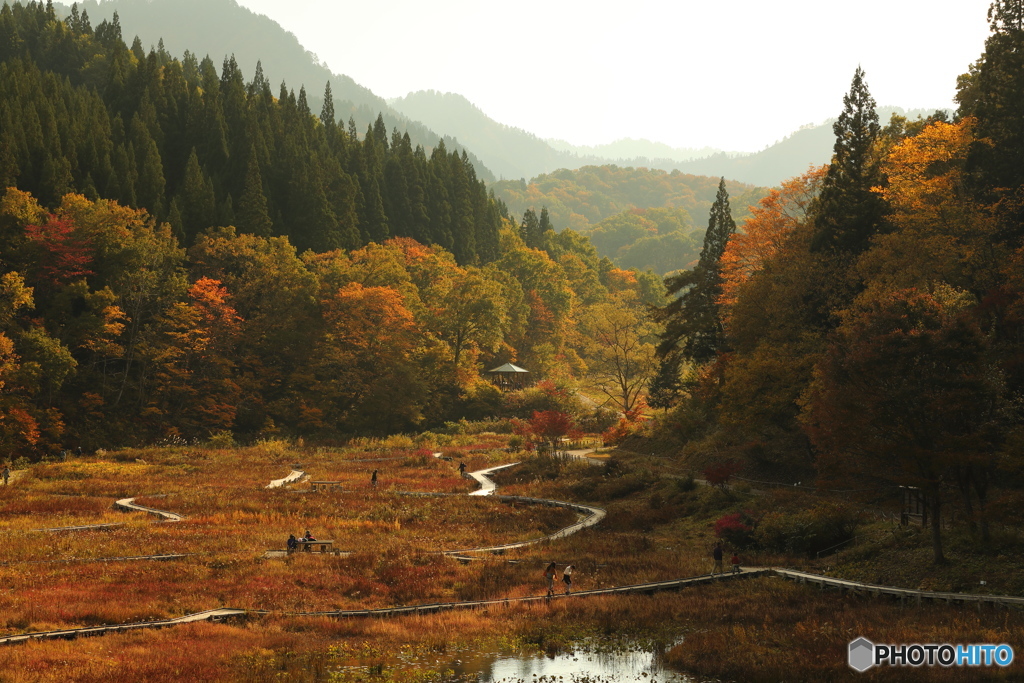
[733,74]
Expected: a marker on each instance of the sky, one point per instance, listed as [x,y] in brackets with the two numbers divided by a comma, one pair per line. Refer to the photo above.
[733,74]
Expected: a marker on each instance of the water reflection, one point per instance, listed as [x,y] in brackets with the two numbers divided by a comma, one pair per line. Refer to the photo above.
[579,666]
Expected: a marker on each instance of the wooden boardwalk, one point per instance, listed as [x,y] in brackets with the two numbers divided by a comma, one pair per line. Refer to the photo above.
[487,485]
[902,594]
[589,517]
[650,588]
[636,589]
[129,505]
[131,558]
[208,615]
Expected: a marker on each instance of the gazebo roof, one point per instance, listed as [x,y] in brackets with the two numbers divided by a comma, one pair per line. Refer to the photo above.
[508,367]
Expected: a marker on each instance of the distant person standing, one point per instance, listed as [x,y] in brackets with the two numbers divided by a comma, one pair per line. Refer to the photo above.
[462,469]
[7,474]
[373,479]
[735,563]
[717,554]
[549,575]
[567,578]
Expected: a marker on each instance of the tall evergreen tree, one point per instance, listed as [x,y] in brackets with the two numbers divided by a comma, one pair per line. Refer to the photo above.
[993,92]
[693,322]
[252,215]
[327,111]
[529,229]
[848,211]
[197,201]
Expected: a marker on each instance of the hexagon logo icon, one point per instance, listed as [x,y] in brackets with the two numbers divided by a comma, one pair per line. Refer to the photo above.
[862,654]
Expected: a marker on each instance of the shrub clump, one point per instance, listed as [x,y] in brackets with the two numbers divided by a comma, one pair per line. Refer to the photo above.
[806,532]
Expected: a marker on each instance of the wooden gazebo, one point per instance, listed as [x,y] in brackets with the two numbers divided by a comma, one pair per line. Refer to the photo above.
[509,377]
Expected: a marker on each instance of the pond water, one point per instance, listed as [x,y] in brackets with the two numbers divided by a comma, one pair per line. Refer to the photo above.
[578,666]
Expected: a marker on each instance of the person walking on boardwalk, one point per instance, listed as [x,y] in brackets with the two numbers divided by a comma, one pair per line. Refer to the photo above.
[549,574]
[717,555]
[567,578]
[373,479]
[7,474]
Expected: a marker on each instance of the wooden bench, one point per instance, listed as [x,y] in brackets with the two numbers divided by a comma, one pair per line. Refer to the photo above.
[325,546]
[325,485]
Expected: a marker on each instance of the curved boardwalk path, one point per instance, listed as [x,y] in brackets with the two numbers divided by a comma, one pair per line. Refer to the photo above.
[487,485]
[594,515]
[129,505]
[590,517]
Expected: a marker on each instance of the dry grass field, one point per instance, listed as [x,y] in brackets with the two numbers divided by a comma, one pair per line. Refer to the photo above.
[757,630]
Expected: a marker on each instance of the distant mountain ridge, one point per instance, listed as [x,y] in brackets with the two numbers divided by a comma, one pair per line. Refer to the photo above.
[511,153]
[514,154]
[220,28]
[630,148]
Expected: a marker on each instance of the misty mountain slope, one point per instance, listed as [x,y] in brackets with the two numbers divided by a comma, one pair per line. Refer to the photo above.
[809,146]
[511,153]
[629,148]
[220,28]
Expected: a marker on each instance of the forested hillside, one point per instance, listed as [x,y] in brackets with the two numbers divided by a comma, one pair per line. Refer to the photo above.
[357,285]
[84,113]
[227,29]
[584,198]
[866,325]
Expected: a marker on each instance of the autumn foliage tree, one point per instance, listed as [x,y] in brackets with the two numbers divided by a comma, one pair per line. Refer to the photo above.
[551,426]
[771,223]
[906,395]
[62,254]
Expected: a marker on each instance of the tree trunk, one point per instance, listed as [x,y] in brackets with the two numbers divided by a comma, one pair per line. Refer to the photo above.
[963,483]
[935,503]
[980,481]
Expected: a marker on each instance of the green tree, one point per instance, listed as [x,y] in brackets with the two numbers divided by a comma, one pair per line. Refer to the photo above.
[848,210]
[198,202]
[252,213]
[693,321]
[618,348]
[993,93]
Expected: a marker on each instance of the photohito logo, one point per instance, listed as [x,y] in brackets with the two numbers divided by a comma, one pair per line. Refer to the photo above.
[864,654]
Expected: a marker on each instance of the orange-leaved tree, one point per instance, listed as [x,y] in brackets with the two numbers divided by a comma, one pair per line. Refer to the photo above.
[364,373]
[764,233]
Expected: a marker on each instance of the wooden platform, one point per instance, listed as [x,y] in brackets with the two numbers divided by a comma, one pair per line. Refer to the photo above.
[325,486]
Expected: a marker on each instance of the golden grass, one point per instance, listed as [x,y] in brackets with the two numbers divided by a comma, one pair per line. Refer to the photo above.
[757,630]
